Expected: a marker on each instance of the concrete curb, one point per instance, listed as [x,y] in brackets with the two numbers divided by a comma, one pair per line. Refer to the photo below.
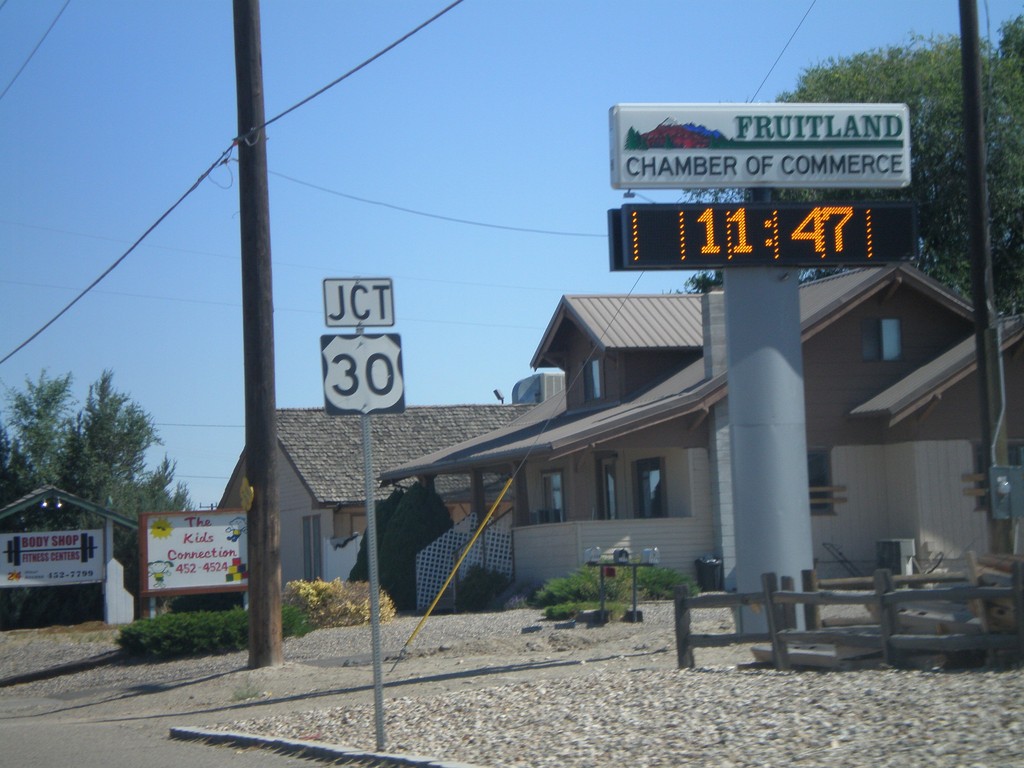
[313,749]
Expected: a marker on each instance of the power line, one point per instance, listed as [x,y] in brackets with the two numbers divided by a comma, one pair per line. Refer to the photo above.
[439,216]
[779,57]
[45,34]
[348,74]
[224,157]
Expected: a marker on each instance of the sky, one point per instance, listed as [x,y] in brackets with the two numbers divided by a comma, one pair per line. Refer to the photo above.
[469,165]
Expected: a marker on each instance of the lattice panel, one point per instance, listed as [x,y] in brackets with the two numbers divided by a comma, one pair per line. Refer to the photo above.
[435,561]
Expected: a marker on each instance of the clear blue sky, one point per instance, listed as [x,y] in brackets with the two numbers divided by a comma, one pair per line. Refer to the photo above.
[496,113]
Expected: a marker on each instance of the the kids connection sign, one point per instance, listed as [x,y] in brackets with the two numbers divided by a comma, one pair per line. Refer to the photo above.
[190,552]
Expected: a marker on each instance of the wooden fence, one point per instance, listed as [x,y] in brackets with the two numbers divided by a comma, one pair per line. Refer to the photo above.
[889,600]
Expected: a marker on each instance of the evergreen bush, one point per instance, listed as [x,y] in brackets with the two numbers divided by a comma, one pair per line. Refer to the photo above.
[418,520]
[479,589]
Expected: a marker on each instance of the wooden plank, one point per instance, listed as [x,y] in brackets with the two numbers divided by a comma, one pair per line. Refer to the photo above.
[812,613]
[1018,606]
[946,595]
[863,637]
[1002,563]
[847,583]
[887,615]
[769,583]
[718,641]
[788,610]
[726,600]
[948,643]
[825,598]
[684,648]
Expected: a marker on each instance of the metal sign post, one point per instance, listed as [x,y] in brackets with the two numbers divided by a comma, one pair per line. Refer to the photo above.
[363,374]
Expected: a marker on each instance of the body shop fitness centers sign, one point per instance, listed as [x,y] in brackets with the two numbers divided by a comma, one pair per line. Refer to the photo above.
[679,146]
[49,558]
[190,552]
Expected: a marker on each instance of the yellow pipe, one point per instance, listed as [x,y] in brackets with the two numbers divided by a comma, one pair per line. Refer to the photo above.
[455,568]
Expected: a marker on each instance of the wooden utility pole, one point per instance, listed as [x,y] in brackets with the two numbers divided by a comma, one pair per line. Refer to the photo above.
[986,319]
[265,645]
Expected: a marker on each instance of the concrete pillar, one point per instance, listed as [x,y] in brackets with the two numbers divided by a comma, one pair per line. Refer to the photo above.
[768,433]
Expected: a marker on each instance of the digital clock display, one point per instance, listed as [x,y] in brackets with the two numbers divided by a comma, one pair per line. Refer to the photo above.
[721,235]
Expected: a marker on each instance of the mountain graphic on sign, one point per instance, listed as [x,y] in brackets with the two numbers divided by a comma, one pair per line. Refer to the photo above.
[669,134]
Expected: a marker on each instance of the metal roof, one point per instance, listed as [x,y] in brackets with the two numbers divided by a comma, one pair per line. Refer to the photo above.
[627,322]
[928,382]
[664,321]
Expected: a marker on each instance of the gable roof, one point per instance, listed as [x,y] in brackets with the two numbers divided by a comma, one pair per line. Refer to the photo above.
[327,451]
[928,382]
[51,493]
[550,430]
[675,320]
[667,321]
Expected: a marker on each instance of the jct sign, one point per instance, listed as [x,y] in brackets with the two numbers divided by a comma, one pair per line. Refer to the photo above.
[678,146]
[48,558]
[187,552]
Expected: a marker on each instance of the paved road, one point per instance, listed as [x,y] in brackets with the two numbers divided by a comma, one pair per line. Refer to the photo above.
[82,732]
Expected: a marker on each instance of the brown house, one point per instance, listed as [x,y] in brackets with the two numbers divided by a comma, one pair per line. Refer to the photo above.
[635,453]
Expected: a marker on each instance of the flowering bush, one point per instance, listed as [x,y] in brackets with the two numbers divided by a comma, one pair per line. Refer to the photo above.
[336,603]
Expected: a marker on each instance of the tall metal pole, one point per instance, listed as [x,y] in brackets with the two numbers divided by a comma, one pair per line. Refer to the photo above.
[265,644]
[371,554]
[986,319]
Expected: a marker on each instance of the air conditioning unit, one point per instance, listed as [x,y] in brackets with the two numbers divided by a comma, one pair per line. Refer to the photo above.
[896,554]
[538,387]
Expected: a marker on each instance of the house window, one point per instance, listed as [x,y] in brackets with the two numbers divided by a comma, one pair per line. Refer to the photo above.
[819,477]
[650,488]
[312,555]
[554,504]
[592,380]
[881,338]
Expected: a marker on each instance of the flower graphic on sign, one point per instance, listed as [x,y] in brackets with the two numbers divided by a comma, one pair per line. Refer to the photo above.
[161,528]
[236,527]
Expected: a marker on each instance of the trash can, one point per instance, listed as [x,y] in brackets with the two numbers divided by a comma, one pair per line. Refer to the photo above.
[710,576]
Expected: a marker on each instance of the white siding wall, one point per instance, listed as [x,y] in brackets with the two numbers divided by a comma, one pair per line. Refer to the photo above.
[545,552]
[864,518]
[295,503]
[902,491]
[946,519]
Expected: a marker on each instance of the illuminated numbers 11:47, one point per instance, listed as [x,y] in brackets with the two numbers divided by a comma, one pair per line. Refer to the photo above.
[735,233]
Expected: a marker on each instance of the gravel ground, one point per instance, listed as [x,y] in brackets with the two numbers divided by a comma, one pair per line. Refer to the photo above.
[509,690]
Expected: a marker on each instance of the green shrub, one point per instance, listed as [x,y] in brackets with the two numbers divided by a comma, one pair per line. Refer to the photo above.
[479,589]
[660,583]
[582,587]
[383,512]
[336,603]
[418,520]
[199,632]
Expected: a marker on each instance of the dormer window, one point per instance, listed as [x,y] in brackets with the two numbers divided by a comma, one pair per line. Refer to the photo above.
[881,338]
[592,380]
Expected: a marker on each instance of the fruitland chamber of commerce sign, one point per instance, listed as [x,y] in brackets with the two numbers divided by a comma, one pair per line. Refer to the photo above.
[679,146]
